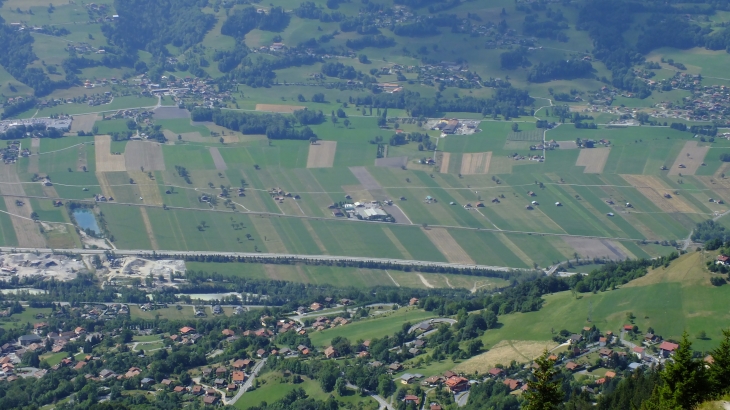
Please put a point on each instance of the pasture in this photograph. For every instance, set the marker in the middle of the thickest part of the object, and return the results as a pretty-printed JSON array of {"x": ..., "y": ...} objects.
[
  {"x": 376, "y": 327},
  {"x": 670, "y": 300}
]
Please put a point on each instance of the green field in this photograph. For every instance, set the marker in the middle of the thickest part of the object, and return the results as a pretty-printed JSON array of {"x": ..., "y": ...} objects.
[
  {"x": 669, "y": 300},
  {"x": 377, "y": 327},
  {"x": 274, "y": 387}
]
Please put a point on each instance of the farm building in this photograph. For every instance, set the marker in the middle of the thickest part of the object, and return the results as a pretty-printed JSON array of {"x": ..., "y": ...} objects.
[{"x": 371, "y": 214}]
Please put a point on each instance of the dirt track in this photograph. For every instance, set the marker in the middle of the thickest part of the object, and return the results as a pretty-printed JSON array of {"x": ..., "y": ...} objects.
[
  {"x": 321, "y": 154},
  {"x": 35, "y": 144},
  {"x": 691, "y": 157},
  {"x": 593, "y": 159}
]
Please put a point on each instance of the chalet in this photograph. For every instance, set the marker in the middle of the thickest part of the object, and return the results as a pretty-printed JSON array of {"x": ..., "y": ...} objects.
[
  {"x": 315, "y": 307},
  {"x": 187, "y": 329},
  {"x": 220, "y": 371},
  {"x": 602, "y": 341},
  {"x": 210, "y": 400},
  {"x": 228, "y": 332},
  {"x": 413, "y": 301},
  {"x": 330, "y": 352},
  {"x": 449, "y": 373},
  {"x": 572, "y": 366},
  {"x": 650, "y": 338},
  {"x": 628, "y": 328},
  {"x": 232, "y": 387},
  {"x": 179, "y": 389},
  {"x": 433, "y": 381},
  {"x": 495, "y": 372},
  {"x": 239, "y": 377},
  {"x": 219, "y": 382},
  {"x": 723, "y": 260},
  {"x": 667, "y": 348},
  {"x": 512, "y": 384},
  {"x": 408, "y": 378},
  {"x": 106, "y": 374},
  {"x": 605, "y": 352},
  {"x": 166, "y": 382},
  {"x": 639, "y": 352},
  {"x": 411, "y": 399},
  {"x": 394, "y": 367},
  {"x": 197, "y": 390},
  {"x": 261, "y": 353},
  {"x": 455, "y": 384},
  {"x": 576, "y": 338},
  {"x": 147, "y": 382},
  {"x": 424, "y": 326}
]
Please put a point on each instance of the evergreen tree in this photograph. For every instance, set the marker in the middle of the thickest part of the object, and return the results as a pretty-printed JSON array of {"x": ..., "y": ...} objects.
[
  {"x": 544, "y": 393},
  {"x": 684, "y": 381},
  {"x": 719, "y": 371}
]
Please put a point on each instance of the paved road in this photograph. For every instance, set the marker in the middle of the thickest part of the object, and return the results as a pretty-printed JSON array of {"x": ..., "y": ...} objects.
[
  {"x": 333, "y": 258},
  {"x": 461, "y": 398},
  {"x": 381, "y": 401},
  {"x": 247, "y": 384}
]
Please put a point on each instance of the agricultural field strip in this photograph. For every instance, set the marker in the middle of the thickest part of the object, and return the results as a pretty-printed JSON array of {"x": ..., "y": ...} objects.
[
  {"x": 339, "y": 220},
  {"x": 333, "y": 258}
]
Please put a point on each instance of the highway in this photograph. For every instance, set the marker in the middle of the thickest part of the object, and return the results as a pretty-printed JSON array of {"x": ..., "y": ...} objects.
[{"x": 296, "y": 257}]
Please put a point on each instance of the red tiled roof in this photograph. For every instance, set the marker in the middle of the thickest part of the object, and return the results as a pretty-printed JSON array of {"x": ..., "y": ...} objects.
[{"x": 668, "y": 346}]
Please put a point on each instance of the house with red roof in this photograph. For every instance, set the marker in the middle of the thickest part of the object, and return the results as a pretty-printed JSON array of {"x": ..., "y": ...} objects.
[{"x": 667, "y": 348}]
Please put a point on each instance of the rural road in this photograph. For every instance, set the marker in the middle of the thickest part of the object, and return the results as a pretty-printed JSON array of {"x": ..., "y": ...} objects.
[
  {"x": 461, "y": 398},
  {"x": 383, "y": 404},
  {"x": 247, "y": 384}
]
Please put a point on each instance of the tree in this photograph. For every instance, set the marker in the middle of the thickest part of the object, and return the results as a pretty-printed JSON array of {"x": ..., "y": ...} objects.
[
  {"x": 341, "y": 387},
  {"x": 684, "y": 381},
  {"x": 347, "y": 123},
  {"x": 515, "y": 127},
  {"x": 719, "y": 371},
  {"x": 545, "y": 392}
]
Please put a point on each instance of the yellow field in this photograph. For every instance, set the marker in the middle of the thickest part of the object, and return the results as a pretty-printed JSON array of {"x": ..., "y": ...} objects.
[
  {"x": 593, "y": 159},
  {"x": 105, "y": 161},
  {"x": 504, "y": 353},
  {"x": 689, "y": 159},
  {"x": 654, "y": 189},
  {"x": 475, "y": 164},
  {"x": 445, "y": 159},
  {"x": 278, "y": 108}
]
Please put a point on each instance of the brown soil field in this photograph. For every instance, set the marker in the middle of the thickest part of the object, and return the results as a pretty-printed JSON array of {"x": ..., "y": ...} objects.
[
  {"x": 593, "y": 159},
  {"x": 143, "y": 155},
  {"x": 278, "y": 108},
  {"x": 33, "y": 160},
  {"x": 445, "y": 159},
  {"x": 105, "y": 161},
  {"x": 321, "y": 154},
  {"x": 654, "y": 189},
  {"x": 595, "y": 248},
  {"x": 26, "y": 230},
  {"x": 567, "y": 144},
  {"x": 220, "y": 163},
  {"x": 475, "y": 164},
  {"x": 392, "y": 162},
  {"x": 691, "y": 157},
  {"x": 504, "y": 353},
  {"x": 147, "y": 187},
  {"x": 448, "y": 246},
  {"x": 83, "y": 123}
]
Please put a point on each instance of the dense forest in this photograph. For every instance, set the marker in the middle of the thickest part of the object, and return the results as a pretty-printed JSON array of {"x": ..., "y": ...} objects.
[
  {"x": 16, "y": 55},
  {"x": 275, "y": 126},
  {"x": 151, "y": 25},
  {"x": 243, "y": 21}
]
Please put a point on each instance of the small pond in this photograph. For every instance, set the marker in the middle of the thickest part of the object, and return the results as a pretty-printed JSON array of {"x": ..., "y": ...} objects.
[{"x": 85, "y": 219}]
